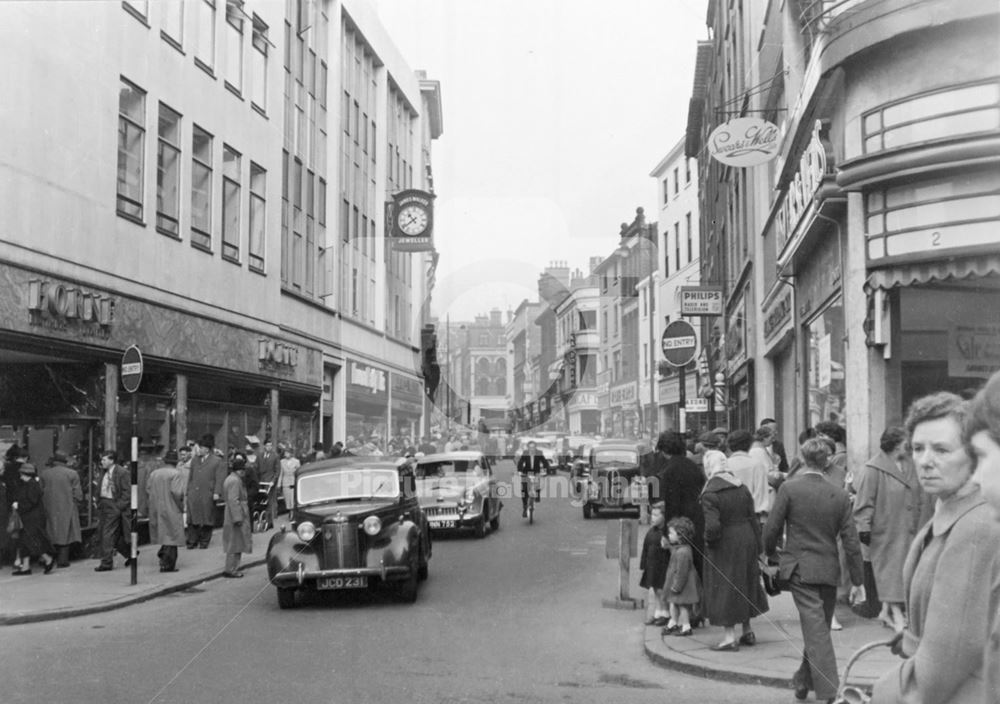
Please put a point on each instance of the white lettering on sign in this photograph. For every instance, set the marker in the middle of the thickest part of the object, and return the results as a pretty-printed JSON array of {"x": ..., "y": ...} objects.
[
  {"x": 701, "y": 301},
  {"x": 801, "y": 189},
  {"x": 744, "y": 141},
  {"x": 625, "y": 394},
  {"x": 272, "y": 353},
  {"x": 676, "y": 343},
  {"x": 696, "y": 405},
  {"x": 132, "y": 368},
  {"x": 368, "y": 377}
]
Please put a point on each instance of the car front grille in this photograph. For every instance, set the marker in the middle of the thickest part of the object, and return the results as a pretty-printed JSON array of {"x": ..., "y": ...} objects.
[
  {"x": 341, "y": 547},
  {"x": 436, "y": 512}
]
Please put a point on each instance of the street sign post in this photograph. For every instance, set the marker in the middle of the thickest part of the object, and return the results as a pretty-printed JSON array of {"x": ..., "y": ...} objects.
[
  {"x": 131, "y": 379},
  {"x": 679, "y": 345}
]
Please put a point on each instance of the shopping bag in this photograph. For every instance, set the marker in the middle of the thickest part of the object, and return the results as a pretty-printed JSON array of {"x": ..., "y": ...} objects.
[{"x": 14, "y": 524}]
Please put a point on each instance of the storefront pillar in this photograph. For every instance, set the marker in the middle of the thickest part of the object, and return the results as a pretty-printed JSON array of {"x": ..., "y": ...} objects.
[
  {"x": 864, "y": 410},
  {"x": 110, "y": 406},
  {"x": 273, "y": 412},
  {"x": 181, "y": 410}
]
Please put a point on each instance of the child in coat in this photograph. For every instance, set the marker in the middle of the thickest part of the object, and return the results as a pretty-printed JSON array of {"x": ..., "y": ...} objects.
[
  {"x": 681, "y": 587},
  {"x": 653, "y": 563}
]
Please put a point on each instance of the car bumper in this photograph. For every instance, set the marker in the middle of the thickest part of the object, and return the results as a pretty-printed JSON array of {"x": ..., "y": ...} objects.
[
  {"x": 303, "y": 577},
  {"x": 454, "y": 520}
]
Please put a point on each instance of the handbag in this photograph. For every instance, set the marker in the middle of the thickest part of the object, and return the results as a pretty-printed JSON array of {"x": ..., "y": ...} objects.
[
  {"x": 773, "y": 584},
  {"x": 14, "y": 524}
]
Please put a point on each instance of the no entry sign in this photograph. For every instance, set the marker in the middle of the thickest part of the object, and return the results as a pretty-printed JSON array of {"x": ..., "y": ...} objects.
[
  {"x": 132, "y": 369},
  {"x": 679, "y": 343}
]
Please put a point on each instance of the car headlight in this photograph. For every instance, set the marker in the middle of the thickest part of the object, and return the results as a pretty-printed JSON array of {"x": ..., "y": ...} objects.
[
  {"x": 470, "y": 495},
  {"x": 372, "y": 525},
  {"x": 306, "y": 531}
]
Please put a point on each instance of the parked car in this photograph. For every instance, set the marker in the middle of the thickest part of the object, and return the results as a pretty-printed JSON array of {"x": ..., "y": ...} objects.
[
  {"x": 457, "y": 490},
  {"x": 545, "y": 445},
  {"x": 357, "y": 524},
  {"x": 613, "y": 478}
]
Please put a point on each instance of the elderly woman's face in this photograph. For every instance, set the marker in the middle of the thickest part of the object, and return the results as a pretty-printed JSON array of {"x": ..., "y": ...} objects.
[
  {"x": 943, "y": 465},
  {"x": 987, "y": 454}
]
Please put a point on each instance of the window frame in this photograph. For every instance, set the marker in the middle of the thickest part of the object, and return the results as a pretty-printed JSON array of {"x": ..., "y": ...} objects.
[
  {"x": 126, "y": 120},
  {"x": 257, "y": 220},
  {"x": 200, "y": 237},
  {"x": 232, "y": 194},
  {"x": 166, "y": 223}
]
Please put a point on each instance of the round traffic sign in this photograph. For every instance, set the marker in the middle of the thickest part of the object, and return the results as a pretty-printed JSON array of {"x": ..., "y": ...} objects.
[
  {"x": 679, "y": 343},
  {"x": 131, "y": 369}
]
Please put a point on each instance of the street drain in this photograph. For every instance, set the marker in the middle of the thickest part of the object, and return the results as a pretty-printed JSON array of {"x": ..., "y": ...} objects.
[{"x": 626, "y": 681}]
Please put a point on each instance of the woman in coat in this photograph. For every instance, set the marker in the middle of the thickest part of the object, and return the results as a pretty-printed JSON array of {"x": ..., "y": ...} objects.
[
  {"x": 61, "y": 495},
  {"x": 32, "y": 541},
  {"x": 237, "y": 535},
  {"x": 889, "y": 509},
  {"x": 681, "y": 482},
  {"x": 733, "y": 592},
  {"x": 951, "y": 575}
]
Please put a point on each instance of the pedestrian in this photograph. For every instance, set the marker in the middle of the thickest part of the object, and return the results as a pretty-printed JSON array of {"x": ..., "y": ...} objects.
[
  {"x": 951, "y": 576},
  {"x": 680, "y": 484},
  {"x": 165, "y": 489},
  {"x": 289, "y": 463},
  {"x": 31, "y": 542},
  {"x": 796, "y": 462},
  {"x": 836, "y": 472},
  {"x": 982, "y": 434},
  {"x": 62, "y": 494},
  {"x": 531, "y": 462},
  {"x": 681, "y": 586},
  {"x": 237, "y": 537},
  {"x": 269, "y": 469},
  {"x": 208, "y": 472},
  {"x": 889, "y": 509},
  {"x": 114, "y": 509},
  {"x": 653, "y": 563},
  {"x": 733, "y": 592},
  {"x": 251, "y": 475},
  {"x": 750, "y": 470},
  {"x": 777, "y": 448},
  {"x": 812, "y": 514},
  {"x": 713, "y": 459}
]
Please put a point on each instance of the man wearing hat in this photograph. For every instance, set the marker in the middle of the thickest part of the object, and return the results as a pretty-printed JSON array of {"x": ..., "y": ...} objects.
[
  {"x": 61, "y": 495},
  {"x": 208, "y": 472},
  {"x": 165, "y": 502}
]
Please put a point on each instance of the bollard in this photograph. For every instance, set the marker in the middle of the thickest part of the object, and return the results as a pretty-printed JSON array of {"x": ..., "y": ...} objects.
[{"x": 622, "y": 544}]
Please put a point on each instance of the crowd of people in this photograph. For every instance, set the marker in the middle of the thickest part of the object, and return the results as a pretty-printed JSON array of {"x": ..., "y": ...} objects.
[{"x": 918, "y": 524}]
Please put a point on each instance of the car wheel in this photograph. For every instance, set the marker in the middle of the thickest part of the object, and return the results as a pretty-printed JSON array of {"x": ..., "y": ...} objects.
[
  {"x": 424, "y": 570},
  {"x": 286, "y": 598},
  {"x": 408, "y": 587},
  {"x": 480, "y": 527},
  {"x": 588, "y": 511},
  {"x": 495, "y": 521}
]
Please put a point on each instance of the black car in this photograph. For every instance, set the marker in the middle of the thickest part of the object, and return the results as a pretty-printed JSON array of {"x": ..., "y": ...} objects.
[{"x": 613, "y": 476}]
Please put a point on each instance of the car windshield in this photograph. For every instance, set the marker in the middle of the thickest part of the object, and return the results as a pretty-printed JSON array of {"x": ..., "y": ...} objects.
[
  {"x": 616, "y": 458},
  {"x": 348, "y": 484},
  {"x": 447, "y": 468}
]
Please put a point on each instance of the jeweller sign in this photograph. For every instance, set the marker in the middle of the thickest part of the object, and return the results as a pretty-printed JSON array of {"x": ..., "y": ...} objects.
[{"x": 744, "y": 141}]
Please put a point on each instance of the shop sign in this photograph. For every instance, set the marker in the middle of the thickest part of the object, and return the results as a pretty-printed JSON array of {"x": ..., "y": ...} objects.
[
  {"x": 58, "y": 306},
  {"x": 696, "y": 405},
  {"x": 276, "y": 356},
  {"x": 625, "y": 394},
  {"x": 369, "y": 378},
  {"x": 801, "y": 189},
  {"x": 405, "y": 387},
  {"x": 583, "y": 400},
  {"x": 736, "y": 336},
  {"x": 744, "y": 141},
  {"x": 701, "y": 300},
  {"x": 973, "y": 350},
  {"x": 777, "y": 315}
]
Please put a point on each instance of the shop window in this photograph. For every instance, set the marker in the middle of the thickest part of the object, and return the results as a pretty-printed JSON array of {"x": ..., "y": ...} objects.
[
  {"x": 258, "y": 213},
  {"x": 168, "y": 158},
  {"x": 825, "y": 335},
  {"x": 201, "y": 188},
  {"x": 131, "y": 148},
  {"x": 258, "y": 64},
  {"x": 231, "y": 160}
]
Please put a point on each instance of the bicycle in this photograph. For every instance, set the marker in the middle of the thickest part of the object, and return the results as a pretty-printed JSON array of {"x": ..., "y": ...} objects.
[{"x": 533, "y": 483}]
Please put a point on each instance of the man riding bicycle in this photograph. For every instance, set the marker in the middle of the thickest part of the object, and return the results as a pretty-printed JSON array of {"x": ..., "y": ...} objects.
[{"x": 531, "y": 462}]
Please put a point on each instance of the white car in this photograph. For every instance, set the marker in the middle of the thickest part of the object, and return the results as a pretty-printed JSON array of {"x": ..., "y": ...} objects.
[{"x": 457, "y": 490}]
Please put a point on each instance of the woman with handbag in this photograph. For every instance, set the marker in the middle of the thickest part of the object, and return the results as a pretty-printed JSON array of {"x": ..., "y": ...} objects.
[{"x": 32, "y": 541}]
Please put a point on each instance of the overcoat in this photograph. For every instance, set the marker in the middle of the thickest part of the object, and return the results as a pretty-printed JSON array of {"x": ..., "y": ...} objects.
[
  {"x": 952, "y": 587},
  {"x": 681, "y": 482},
  {"x": 207, "y": 475},
  {"x": 165, "y": 502},
  {"x": 32, "y": 540},
  {"x": 892, "y": 507},
  {"x": 236, "y": 538},
  {"x": 733, "y": 592},
  {"x": 61, "y": 494},
  {"x": 653, "y": 560},
  {"x": 681, "y": 582}
]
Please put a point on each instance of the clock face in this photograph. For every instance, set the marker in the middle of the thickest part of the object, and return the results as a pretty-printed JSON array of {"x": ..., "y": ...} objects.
[{"x": 412, "y": 220}]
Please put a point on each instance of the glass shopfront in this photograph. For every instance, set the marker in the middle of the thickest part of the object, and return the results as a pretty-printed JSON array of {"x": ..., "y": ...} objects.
[{"x": 825, "y": 356}]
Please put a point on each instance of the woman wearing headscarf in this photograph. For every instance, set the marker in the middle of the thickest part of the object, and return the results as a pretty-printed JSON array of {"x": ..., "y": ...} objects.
[
  {"x": 733, "y": 593},
  {"x": 31, "y": 542},
  {"x": 982, "y": 434},
  {"x": 952, "y": 571}
]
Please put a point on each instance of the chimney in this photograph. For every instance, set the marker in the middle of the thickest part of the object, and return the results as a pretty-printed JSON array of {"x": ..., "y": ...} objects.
[{"x": 495, "y": 320}]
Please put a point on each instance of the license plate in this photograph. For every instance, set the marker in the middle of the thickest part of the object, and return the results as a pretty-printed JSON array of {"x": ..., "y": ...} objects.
[
  {"x": 442, "y": 524},
  {"x": 342, "y": 583}
]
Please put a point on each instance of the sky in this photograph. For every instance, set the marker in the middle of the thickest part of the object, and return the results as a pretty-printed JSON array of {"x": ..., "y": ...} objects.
[{"x": 554, "y": 112}]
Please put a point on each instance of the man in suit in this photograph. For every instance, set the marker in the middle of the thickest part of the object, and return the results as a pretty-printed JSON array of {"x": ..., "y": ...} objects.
[
  {"x": 268, "y": 469},
  {"x": 208, "y": 472},
  {"x": 531, "y": 462},
  {"x": 815, "y": 513},
  {"x": 114, "y": 508}
]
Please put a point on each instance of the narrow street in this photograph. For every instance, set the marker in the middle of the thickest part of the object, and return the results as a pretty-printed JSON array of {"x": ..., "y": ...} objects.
[{"x": 515, "y": 617}]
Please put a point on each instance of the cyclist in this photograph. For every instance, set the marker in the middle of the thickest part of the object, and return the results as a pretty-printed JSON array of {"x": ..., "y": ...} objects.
[{"x": 531, "y": 462}]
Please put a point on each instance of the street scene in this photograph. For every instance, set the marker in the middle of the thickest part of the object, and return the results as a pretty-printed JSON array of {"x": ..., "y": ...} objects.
[{"x": 531, "y": 351}]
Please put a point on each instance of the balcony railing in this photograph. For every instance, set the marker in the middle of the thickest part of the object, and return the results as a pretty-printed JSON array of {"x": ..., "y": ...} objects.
[{"x": 817, "y": 15}]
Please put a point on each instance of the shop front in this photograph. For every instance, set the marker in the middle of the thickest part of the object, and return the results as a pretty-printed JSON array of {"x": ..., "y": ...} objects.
[
  {"x": 367, "y": 399},
  {"x": 407, "y": 407},
  {"x": 778, "y": 329},
  {"x": 624, "y": 400},
  {"x": 584, "y": 413},
  {"x": 739, "y": 366}
]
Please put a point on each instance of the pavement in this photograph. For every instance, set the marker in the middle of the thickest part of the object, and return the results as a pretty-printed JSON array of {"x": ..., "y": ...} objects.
[
  {"x": 78, "y": 590},
  {"x": 778, "y": 650}
]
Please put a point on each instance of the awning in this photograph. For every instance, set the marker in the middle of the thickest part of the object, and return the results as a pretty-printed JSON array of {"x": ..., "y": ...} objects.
[{"x": 917, "y": 274}]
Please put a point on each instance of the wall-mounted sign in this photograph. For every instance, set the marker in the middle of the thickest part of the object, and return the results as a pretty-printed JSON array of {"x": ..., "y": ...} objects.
[
  {"x": 973, "y": 350},
  {"x": 583, "y": 400},
  {"x": 701, "y": 300},
  {"x": 802, "y": 188},
  {"x": 64, "y": 307},
  {"x": 276, "y": 355},
  {"x": 679, "y": 343},
  {"x": 777, "y": 315},
  {"x": 744, "y": 141},
  {"x": 369, "y": 378},
  {"x": 696, "y": 405},
  {"x": 410, "y": 221},
  {"x": 624, "y": 395}
]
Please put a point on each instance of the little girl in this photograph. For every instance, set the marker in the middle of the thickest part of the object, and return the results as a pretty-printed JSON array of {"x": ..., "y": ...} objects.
[
  {"x": 653, "y": 563},
  {"x": 681, "y": 587}
]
